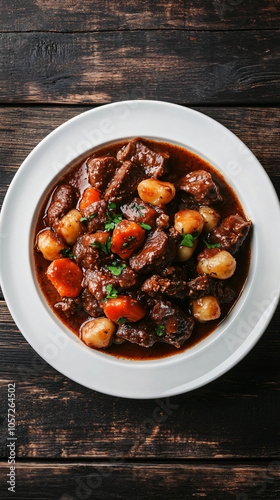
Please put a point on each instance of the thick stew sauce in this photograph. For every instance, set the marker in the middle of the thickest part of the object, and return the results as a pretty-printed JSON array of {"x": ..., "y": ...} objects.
[{"x": 142, "y": 249}]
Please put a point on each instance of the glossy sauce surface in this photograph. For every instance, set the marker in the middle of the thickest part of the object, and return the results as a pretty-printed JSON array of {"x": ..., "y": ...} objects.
[{"x": 181, "y": 162}]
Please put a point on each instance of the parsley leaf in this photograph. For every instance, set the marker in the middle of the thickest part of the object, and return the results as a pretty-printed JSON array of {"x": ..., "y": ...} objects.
[
  {"x": 137, "y": 209},
  {"x": 159, "y": 330},
  {"x": 109, "y": 225},
  {"x": 112, "y": 221},
  {"x": 66, "y": 252},
  {"x": 105, "y": 247},
  {"x": 115, "y": 269},
  {"x": 112, "y": 206},
  {"x": 208, "y": 245},
  {"x": 145, "y": 226},
  {"x": 121, "y": 320},
  {"x": 88, "y": 218},
  {"x": 188, "y": 239},
  {"x": 111, "y": 293}
]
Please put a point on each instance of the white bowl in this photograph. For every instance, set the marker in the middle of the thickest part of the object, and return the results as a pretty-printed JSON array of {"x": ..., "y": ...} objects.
[{"x": 237, "y": 334}]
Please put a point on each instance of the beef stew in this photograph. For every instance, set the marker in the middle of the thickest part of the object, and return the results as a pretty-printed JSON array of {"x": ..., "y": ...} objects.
[{"x": 142, "y": 249}]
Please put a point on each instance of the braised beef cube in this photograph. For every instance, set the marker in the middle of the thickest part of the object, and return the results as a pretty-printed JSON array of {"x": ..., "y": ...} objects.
[
  {"x": 99, "y": 279},
  {"x": 156, "y": 285},
  {"x": 174, "y": 326},
  {"x": 91, "y": 305},
  {"x": 162, "y": 221},
  {"x": 97, "y": 282},
  {"x": 204, "y": 285},
  {"x": 201, "y": 186},
  {"x": 124, "y": 183},
  {"x": 96, "y": 214},
  {"x": 141, "y": 333},
  {"x": 63, "y": 200},
  {"x": 68, "y": 305},
  {"x": 101, "y": 171},
  {"x": 177, "y": 272},
  {"x": 87, "y": 256},
  {"x": 158, "y": 251},
  {"x": 187, "y": 202},
  {"x": 155, "y": 164},
  {"x": 127, "y": 278},
  {"x": 231, "y": 233},
  {"x": 199, "y": 287},
  {"x": 139, "y": 211}
]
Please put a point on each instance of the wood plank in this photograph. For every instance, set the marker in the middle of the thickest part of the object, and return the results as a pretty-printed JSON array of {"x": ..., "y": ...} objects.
[
  {"x": 94, "y": 15},
  {"x": 22, "y": 128},
  {"x": 236, "y": 416},
  {"x": 184, "y": 67},
  {"x": 123, "y": 480}
]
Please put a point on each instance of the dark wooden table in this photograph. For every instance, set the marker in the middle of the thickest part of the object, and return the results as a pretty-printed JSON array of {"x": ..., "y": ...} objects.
[{"x": 60, "y": 59}]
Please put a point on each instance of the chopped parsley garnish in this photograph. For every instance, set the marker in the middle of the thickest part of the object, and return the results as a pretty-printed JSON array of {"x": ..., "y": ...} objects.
[
  {"x": 160, "y": 330},
  {"x": 121, "y": 320},
  {"x": 145, "y": 226},
  {"x": 88, "y": 218},
  {"x": 126, "y": 243},
  {"x": 112, "y": 206},
  {"x": 66, "y": 252},
  {"x": 105, "y": 247},
  {"x": 188, "y": 239},
  {"x": 209, "y": 245},
  {"x": 137, "y": 209},
  {"x": 115, "y": 269},
  {"x": 112, "y": 222},
  {"x": 111, "y": 293}
]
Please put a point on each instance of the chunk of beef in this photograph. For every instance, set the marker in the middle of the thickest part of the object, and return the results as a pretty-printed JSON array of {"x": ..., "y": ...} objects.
[
  {"x": 156, "y": 285},
  {"x": 98, "y": 281},
  {"x": 155, "y": 164},
  {"x": 91, "y": 305},
  {"x": 141, "y": 333},
  {"x": 204, "y": 285},
  {"x": 127, "y": 278},
  {"x": 89, "y": 257},
  {"x": 158, "y": 251},
  {"x": 124, "y": 183},
  {"x": 63, "y": 200},
  {"x": 231, "y": 233},
  {"x": 177, "y": 325},
  {"x": 162, "y": 221},
  {"x": 201, "y": 186},
  {"x": 97, "y": 222},
  {"x": 68, "y": 305},
  {"x": 175, "y": 273},
  {"x": 101, "y": 171},
  {"x": 139, "y": 211}
]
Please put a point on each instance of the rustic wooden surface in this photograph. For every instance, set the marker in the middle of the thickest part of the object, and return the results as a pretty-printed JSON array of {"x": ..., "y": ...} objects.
[{"x": 60, "y": 59}]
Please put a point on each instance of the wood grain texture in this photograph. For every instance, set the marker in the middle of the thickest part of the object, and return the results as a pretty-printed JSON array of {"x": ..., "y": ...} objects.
[
  {"x": 184, "y": 67},
  {"x": 80, "y": 481},
  {"x": 94, "y": 15},
  {"x": 236, "y": 416}
]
